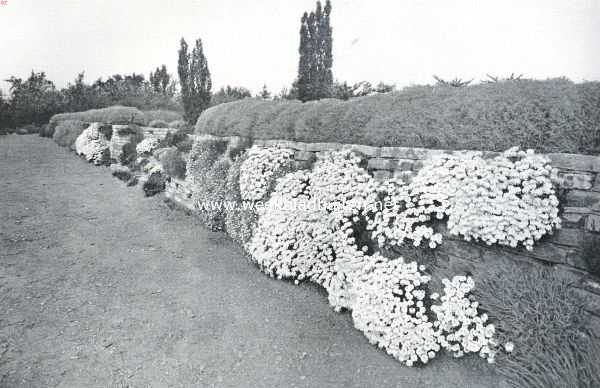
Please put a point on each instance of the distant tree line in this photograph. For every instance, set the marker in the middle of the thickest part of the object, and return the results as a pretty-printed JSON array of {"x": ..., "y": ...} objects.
[{"x": 35, "y": 99}]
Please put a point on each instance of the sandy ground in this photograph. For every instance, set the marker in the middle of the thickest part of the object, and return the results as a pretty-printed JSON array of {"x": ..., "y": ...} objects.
[{"x": 101, "y": 287}]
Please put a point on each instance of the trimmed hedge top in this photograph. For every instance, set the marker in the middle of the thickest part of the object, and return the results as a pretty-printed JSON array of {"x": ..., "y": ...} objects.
[
  {"x": 556, "y": 115},
  {"x": 116, "y": 115},
  {"x": 162, "y": 115}
]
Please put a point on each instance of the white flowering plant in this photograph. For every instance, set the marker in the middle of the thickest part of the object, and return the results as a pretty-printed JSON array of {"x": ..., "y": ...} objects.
[
  {"x": 260, "y": 168},
  {"x": 389, "y": 299},
  {"x": 507, "y": 200},
  {"x": 93, "y": 145},
  {"x": 146, "y": 146},
  {"x": 390, "y": 309},
  {"x": 461, "y": 329}
]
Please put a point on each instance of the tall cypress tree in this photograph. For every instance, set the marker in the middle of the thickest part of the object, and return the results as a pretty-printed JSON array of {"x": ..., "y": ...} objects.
[
  {"x": 195, "y": 80},
  {"x": 183, "y": 69},
  {"x": 200, "y": 80},
  {"x": 315, "y": 78},
  {"x": 303, "y": 81},
  {"x": 327, "y": 54}
]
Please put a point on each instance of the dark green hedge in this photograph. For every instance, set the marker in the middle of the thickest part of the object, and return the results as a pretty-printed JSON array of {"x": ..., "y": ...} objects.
[
  {"x": 555, "y": 115},
  {"x": 116, "y": 115}
]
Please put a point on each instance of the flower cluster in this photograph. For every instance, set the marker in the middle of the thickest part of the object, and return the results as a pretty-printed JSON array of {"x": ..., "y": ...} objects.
[
  {"x": 290, "y": 243},
  {"x": 150, "y": 165},
  {"x": 389, "y": 299},
  {"x": 461, "y": 329},
  {"x": 390, "y": 309},
  {"x": 405, "y": 216},
  {"x": 93, "y": 145},
  {"x": 146, "y": 146},
  {"x": 305, "y": 242},
  {"x": 508, "y": 200},
  {"x": 260, "y": 169}
]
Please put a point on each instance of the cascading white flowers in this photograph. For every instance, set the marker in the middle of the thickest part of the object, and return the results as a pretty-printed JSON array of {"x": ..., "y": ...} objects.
[
  {"x": 93, "y": 145},
  {"x": 146, "y": 146},
  {"x": 404, "y": 216},
  {"x": 260, "y": 168},
  {"x": 314, "y": 224},
  {"x": 390, "y": 309},
  {"x": 460, "y": 327},
  {"x": 507, "y": 200}
]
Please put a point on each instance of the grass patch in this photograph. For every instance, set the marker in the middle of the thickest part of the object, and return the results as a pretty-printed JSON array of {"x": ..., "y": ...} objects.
[{"x": 544, "y": 317}]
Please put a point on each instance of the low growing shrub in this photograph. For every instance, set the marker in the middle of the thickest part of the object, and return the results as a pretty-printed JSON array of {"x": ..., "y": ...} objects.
[
  {"x": 128, "y": 153},
  {"x": 173, "y": 163},
  {"x": 29, "y": 129},
  {"x": 67, "y": 131},
  {"x": 154, "y": 184},
  {"x": 239, "y": 222},
  {"x": 185, "y": 146},
  {"x": 213, "y": 192},
  {"x": 207, "y": 170},
  {"x": 174, "y": 138},
  {"x": 46, "y": 131},
  {"x": 121, "y": 172}
]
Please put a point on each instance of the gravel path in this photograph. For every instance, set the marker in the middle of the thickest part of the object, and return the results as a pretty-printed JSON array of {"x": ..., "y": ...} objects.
[{"x": 101, "y": 287}]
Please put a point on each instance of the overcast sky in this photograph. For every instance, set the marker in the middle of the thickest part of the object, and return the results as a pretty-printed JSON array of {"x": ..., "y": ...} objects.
[{"x": 249, "y": 43}]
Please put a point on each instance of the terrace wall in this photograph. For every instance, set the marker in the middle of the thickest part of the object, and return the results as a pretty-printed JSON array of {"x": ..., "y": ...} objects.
[
  {"x": 118, "y": 141},
  {"x": 579, "y": 194}
]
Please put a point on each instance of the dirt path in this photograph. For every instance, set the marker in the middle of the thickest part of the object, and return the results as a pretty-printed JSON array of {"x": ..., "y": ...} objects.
[{"x": 100, "y": 287}]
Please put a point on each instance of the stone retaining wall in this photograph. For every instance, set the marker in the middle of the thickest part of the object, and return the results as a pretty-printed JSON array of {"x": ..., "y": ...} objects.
[
  {"x": 118, "y": 141},
  {"x": 565, "y": 251}
]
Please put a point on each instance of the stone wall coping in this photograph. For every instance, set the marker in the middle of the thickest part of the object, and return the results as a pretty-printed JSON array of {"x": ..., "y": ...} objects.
[{"x": 562, "y": 161}]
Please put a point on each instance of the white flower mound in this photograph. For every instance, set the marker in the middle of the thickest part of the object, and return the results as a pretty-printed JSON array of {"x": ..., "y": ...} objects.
[
  {"x": 146, "y": 146},
  {"x": 508, "y": 200},
  {"x": 92, "y": 145},
  {"x": 404, "y": 216},
  {"x": 290, "y": 241},
  {"x": 259, "y": 170},
  {"x": 461, "y": 329},
  {"x": 390, "y": 309},
  {"x": 310, "y": 230}
]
